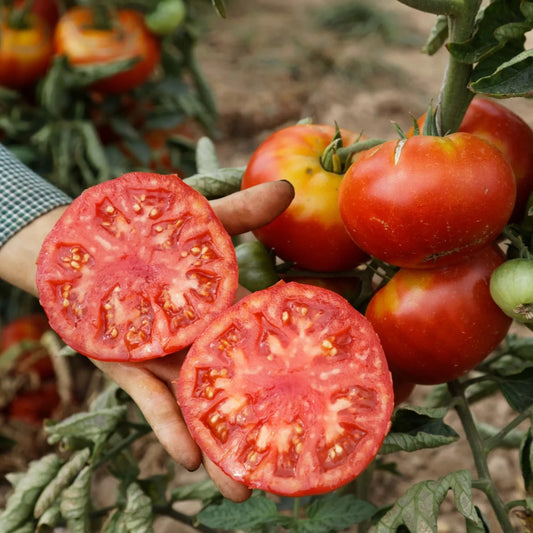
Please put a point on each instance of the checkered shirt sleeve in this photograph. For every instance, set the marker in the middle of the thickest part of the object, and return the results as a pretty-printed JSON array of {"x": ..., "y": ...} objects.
[{"x": 24, "y": 195}]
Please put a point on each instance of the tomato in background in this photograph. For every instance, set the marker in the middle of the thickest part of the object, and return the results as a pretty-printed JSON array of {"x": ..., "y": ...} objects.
[
  {"x": 502, "y": 127},
  {"x": 25, "y": 51},
  {"x": 310, "y": 232},
  {"x": 427, "y": 201},
  {"x": 288, "y": 391},
  {"x": 28, "y": 328},
  {"x": 82, "y": 43},
  {"x": 435, "y": 325},
  {"x": 34, "y": 406},
  {"x": 48, "y": 10},
  {"x": 135, "y": 268}
]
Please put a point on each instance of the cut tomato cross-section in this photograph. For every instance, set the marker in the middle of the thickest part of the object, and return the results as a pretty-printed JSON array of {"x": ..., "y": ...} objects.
[
  {"x": 288, "y": 391},
  {"x": 136, "y": 268}
]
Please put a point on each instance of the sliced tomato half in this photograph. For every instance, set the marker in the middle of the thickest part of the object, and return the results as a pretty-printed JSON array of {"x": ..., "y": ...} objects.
[
  {"x": 136, "y": 268},
  {"x": 289, "y": 391}
]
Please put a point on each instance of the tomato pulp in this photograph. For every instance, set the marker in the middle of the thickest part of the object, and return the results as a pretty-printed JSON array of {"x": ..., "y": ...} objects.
[
  {"x": 310, "y": 232},
  {"x": 288, "y": 391},
  {"x": 135, "y": 268}
]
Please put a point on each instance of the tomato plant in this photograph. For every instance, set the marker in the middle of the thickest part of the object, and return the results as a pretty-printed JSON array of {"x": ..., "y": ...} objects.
[
  {"x": 437, "y": 324},
  {"x": 25, "y": 49},
  {"x": 86, "y": 40},
  {"x": 427, "y": 201},
  {"x": 288, "y": 391},
  {"x": 48, "y": 10},
  {"x": 136, "y": 268},
  {"x": 310, "y": 232}
]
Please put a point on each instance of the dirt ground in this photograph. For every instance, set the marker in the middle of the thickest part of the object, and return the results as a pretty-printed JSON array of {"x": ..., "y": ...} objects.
[{"x": 270, "y": 64}]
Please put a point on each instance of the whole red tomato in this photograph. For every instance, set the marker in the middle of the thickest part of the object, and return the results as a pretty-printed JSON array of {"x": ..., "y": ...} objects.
[
  {"x": 310, "y": 232},
  {"x": 127, "y": 37},
  {"x": 507, "y": 131},
  {"x": 436, "y": 325},
  {"x": 288, "y": 391},
  {"x": 25, "y": 51},
  {"x": 28, "y": 328},
  {"x": 427, "y": 201}
]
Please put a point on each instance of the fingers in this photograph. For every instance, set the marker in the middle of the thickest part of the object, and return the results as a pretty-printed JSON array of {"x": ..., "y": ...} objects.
[
  {"x": 229, "y": 488},
  {"x": 159, "y": 407},
  {"x": 254, "y": 207}
]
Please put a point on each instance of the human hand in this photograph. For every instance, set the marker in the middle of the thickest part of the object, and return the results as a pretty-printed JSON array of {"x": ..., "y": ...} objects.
[{"x": 149, "y": 383}]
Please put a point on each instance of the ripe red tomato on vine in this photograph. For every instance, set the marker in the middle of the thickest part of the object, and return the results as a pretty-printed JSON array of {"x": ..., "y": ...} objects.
[
  {"x": 26, "y": 49},
  {"x": 427, "y": 201},
  {"x": 85, "y": 40},
  {"x": 437, "y": 324},
  {"x": 310, "y": 232}
]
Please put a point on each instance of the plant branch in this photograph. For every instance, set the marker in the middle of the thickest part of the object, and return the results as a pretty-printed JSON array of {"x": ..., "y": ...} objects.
[
  {"x": 479, "y": 454},
  {"x": 437, "y": 7},
  {"x": 496, "y": 439}
]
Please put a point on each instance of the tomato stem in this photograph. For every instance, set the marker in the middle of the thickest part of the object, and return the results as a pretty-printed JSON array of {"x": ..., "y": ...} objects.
[{"x": 479, "y": 454}]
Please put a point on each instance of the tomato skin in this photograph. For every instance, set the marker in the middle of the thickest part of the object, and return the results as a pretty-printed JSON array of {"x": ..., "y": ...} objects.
[
  {"x": 427, "y": 201},
  {"x": 25, "y": 53},
  {"x": 436, "y": 325},
  {"x": 511, "y": 287},
  {"x": 310, "y": 232},
  {"x": 135, "y": 268},
  {"x": 83, "y": 44},
  {"x": 503, "y": 128},
  {"x": 288, "y": 391}
]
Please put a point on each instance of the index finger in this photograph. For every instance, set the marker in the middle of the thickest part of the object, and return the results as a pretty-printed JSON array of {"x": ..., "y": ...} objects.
[{"x": 252, "y": 208}]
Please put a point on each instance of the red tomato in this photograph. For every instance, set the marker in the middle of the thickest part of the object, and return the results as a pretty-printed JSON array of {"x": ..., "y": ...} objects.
[
  {"x": 28, "y": 328},
  {"x": 34, "y": 406},
  {"x": 427, "y": 201},
  {"x": 402, "y": 389},
  {"x": 82, "y": 43},
  {"x": 503, "y": 128},
  {"x": 136, "y": 268},
  {"x": 48, "y": 10},
  {"x": 310, "y": 232},
  {"x": 436, "y": 325},
  {"x": 288, "y": 391},
  {"x": 25, "y": 52}
]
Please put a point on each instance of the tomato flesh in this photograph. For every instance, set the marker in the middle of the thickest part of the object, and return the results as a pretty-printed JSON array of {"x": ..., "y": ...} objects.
[
  {"x": 289, "y": 391},
  {"x": 135, "y": 268}
]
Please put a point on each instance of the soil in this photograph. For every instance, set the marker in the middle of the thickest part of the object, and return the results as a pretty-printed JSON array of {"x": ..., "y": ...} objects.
[{"x": 270, "y": 63}]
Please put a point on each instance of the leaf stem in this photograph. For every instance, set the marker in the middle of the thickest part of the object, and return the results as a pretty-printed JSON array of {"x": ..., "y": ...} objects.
[
  {"x": 479, "y": 453},
  {"x": 437, "y": 7},
  {"x": 493, "y": 442}
]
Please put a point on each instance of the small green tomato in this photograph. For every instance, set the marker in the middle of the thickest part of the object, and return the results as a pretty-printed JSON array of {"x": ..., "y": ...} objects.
[
  {"x": 511, "y": 287},
  {"x": 167, "y": 16}
]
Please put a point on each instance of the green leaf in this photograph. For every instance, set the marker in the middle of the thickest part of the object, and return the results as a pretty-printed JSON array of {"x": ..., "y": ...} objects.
[
  {"x": 438, "y": 36},
  {"x": 49, "y": 519},
  {"x": 86, "y": 427},
  {"x": 526, "y": 460},
  {"x": 75, "y": 502},
  {"x": 473, "y": 527},
  {"x": 220, "y": 7},
  {"x": 334, "y": 512},
  {"x": 518, "y": 389},
  {"x": 20, "y": 504},
  {"x": 138, "y": 511},
  {"x": 418, "y": 508},
  {"x": 217, "y": 184},
  {"x": 492, "y": 32},
  {"x": 202, "y": 490},
  {"x": 414, "y": 428},
  {"x": 64, "y": 477},
  {"x": 206, "y": 156},
  {"x": 254, "y": 512}
]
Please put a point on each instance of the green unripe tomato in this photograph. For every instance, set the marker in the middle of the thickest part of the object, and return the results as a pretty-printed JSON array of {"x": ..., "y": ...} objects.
[
  {"x": 511, "y": 287},
  {"x": 167, "y": 16},
  {"x": 256, "y": 266}
]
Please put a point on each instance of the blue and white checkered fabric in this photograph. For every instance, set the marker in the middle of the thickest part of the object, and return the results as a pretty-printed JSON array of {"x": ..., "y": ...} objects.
[{"x": 24, "y": 195}]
